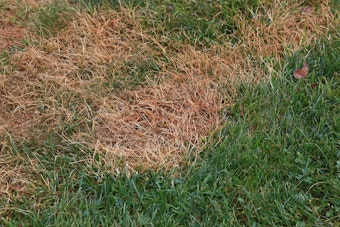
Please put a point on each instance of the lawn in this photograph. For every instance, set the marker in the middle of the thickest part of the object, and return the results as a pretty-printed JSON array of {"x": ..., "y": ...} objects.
[{"x": 169, "y": 113}]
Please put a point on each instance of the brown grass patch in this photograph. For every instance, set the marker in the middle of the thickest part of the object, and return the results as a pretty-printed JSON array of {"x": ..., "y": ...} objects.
[
  {"x": 13, "y": 21},
  {"x": 10, "y": 35},
  {"x": 67, "y": 81},
  {"x": 285, "y": 26},
  {"x": 10, "y": 31},
  {"x": 152, "y": 126}
]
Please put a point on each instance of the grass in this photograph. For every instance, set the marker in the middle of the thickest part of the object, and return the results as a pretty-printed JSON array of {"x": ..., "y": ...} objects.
[
  {"x": 199, "y": 23},
  {"x": 133, "y": 74},
  {"x": 4, "y": 58},
  {"x": 268, "y": 155},
  {"x": 51, "y": 19},
  {"x": 275, "y": 162}
]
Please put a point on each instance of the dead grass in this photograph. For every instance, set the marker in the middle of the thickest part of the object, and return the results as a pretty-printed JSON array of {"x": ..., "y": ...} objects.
[
  {"x": 10, "y": 31},
  {"x": 13, "y": 21},
  {"x": 16, "y": 174},
  {"x": 65, "y": 81},
  {"x": 152, "y": 127},
  {"x": 284, "y": 26}
]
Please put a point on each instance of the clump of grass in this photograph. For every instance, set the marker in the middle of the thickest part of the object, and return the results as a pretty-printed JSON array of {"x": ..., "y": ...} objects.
[
  {"x": 13, "y": 26},
  {"x": 51, "y": 19},
  {"x": 31, "y": 172},
  {"x": 279, "y": 28},
  {"x": 195, "y": 22},
  {"x": 325, "y": 66},
  {"x": 157, "y": 121},
  {"x": 18, "y": 174},
  {"x": 93, "y": 5},
  {"x": 4, "y": 58},
  {"x": 133, "y": 73},
  {"x": 200, "y": 23}
]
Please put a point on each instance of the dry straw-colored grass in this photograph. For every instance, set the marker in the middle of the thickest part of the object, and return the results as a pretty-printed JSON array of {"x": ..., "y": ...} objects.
[
  {"x": 65, "y": 80},
  {"x": 10, "y": 32},
  {"x": 13, "y": 15},
  {"x": 285, "y": 25}
]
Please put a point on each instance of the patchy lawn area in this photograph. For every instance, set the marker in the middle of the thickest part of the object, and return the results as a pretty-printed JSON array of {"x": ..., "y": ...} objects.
[{"x": 169, "y": 113}]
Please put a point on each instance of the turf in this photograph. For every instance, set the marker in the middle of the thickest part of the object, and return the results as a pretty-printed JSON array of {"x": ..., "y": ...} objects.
[
  {"x": 275, "y": 162},
  {"x": 227, "y": 136}
]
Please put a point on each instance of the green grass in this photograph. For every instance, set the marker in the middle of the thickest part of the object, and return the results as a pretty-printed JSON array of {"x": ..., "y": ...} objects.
[
  {"x": 200, "y": 23},
  {"x": 133, "y": 74},
  {"x": 4, "y": 58},
  {"x": 48, "y": 21},
  {"x": 274, "y": 163}
]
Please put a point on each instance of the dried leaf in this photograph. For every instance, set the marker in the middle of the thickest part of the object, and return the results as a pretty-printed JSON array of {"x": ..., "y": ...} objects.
[{"x": 301, "y": 73}]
